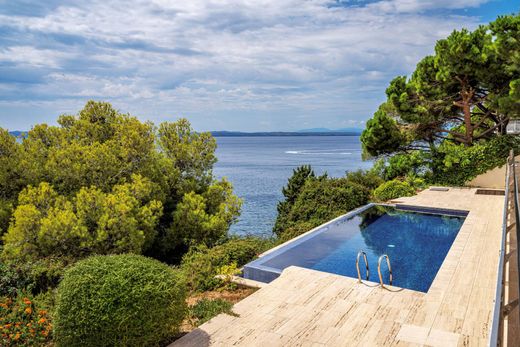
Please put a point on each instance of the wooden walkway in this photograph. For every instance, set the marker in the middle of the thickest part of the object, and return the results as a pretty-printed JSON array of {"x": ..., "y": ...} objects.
[{"x": 311, "y": 308}]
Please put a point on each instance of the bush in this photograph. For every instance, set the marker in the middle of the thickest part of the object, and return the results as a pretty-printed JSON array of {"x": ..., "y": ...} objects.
[
  {"x": 118, "y": 300},
  {"x": 46, "y": 224},
  {"x": 36, "y": 277},
  {"x": 201, "y": 264},
  {"x": 206, "y": 309},
  {"x": 45, "y": 274},
  {"x": 290, "y": 192},
  {"x": 392, "y": 190},
  {"x": 408, "y": 164},
  {"x": 368, "y": 179},
  {"x": 23, "y": 323},
  {"x": 12, "y": 279},
  {"x": 456, "y": 164},
  {"x": 322, "y": 199}
]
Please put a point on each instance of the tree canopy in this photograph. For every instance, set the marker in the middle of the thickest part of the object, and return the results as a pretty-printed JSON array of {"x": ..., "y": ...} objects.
[
  {"x": 466, "y": 92},
  {"x": 103, "y": 182}
]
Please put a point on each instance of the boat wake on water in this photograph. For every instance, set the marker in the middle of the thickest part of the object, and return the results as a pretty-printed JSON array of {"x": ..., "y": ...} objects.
[{"x": 320, "y": 152}]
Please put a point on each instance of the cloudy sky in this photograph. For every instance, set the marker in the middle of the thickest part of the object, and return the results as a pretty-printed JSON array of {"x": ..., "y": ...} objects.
[{"x": 249, "y": 65}]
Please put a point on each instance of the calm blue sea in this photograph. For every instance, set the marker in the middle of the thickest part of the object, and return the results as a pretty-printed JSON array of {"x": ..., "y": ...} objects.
[{"x": 259, "y": 167}]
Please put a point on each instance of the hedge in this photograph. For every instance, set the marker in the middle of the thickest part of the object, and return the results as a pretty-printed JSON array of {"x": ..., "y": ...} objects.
[{"x": 118, "y": 300}]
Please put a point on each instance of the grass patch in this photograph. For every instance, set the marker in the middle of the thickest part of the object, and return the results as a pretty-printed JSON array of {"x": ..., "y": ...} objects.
[{"x": 205, "y": 309}]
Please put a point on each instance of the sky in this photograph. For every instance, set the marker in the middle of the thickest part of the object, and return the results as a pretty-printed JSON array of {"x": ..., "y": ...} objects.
[{"x": 244, "y": 65}]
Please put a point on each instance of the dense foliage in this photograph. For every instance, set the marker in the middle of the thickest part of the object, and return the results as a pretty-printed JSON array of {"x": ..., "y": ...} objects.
[
  {"x": 102, "y": 182},
  {"x": 12, "y": 279},
  {"x": 291, "y": 192},
  {"x": 447, "y": 122},
  {"x": 201, "y": 265},
  {"x": 457, "y": 164},
  {"x": 119, "y": 300},
  {"x": 393, "y": 189},
  {"x": 47, "y": 224},
  {"x": 467, "y": 91},
  {"x": 315, "y": 200}
]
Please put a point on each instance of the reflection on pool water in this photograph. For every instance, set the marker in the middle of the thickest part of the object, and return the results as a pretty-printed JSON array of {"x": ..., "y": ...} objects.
[{"x": 415, "y": 242}]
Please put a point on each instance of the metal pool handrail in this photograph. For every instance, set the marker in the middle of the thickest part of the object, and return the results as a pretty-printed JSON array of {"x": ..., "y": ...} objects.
[
  {"x": 366, "y": 265},
  {"x": 379, "y": 269}
]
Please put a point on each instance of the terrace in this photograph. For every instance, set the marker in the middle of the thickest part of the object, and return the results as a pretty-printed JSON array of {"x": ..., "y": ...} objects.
[{"x": 472, "y": 301}]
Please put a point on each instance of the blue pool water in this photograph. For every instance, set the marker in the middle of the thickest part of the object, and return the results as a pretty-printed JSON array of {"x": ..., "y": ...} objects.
[{"x": 415, "y": 242}]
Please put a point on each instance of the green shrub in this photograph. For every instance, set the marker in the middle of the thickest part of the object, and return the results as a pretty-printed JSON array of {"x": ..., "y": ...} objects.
[
  {"x": 290, "y": 192},
  {"x": 408, "y": 164},
  {"x": 206, "y": 309},
  {"x": 201, "y": 264},
  {"x": 392, "y": 190},
  {"x": 23, "y": 322},
  {"x": 45, "y": 274},
  {"x": 35, "y": 277},
  {"x": 46, "y": 224},
  {"x": 322, "y": 199},
  {"x": 315, "y": 200},
  {"x": 456, "y": 164},
  {"x": 368, "y": 179},
  {"x": 12, "y": 279},
  {"x": 118, "y": 300},
  {"x": 416, "y": 182}
]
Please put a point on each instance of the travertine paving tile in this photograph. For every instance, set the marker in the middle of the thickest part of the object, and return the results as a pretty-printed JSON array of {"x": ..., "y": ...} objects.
[{"x": 310, "y": 308}]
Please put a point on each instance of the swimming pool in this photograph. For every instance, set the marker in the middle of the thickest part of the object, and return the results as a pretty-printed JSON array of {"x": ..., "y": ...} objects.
[{"x": 415, "y": 239}]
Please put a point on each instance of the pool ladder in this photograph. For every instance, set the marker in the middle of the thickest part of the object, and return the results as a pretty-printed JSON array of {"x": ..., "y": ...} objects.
[
  {"x": 362, "y": 253},
  {"x": 380, "y": 260},
  {"x": 389, "y": 269}
]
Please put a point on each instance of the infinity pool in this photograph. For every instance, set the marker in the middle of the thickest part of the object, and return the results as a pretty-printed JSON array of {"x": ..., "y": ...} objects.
[{"x": 415, "y": 239}]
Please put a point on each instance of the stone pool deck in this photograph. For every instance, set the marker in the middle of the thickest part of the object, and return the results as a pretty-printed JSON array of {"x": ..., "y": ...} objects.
[{"x": 310, "y": 308}]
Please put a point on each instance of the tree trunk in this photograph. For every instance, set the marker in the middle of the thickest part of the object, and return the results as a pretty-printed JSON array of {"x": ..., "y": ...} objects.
[
  {"x": 467, "y": 122},
  {"x": 503, "y": 128},
  {"x": 465, "y": 105}
]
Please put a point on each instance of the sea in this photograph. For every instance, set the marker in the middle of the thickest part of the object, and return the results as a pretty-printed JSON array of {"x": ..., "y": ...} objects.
[{"x": 259, "y": 167}]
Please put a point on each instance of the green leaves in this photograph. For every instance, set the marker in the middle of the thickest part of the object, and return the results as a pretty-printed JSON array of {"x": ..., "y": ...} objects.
[
  {"x": 291, "y": 191},
  {"x": 193, "y": 154},
  {"x": 456, "y": 164},
  {"x": 204, "y": 219},
  {"x": 320, "y": 199},
  {"x": 103, "y": 182},
  {"x": 393, "y": 189},
  {"x": 98, "y": 147},
  {"x": 48, "y": 224},
  {"x": 381, "y": 135},
  {"x": 464, "y": 93},
  {"x": 123, "y": 300}
]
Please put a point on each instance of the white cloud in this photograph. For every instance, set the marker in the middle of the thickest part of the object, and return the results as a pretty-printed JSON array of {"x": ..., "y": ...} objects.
[
  {"x": 423, "y": 5},
  {"x": 241, "y": 64}
]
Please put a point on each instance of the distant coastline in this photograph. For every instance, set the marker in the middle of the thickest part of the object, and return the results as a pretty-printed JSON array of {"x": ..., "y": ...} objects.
[
  {"x": 283, "y": 133},
  {"x": 22, "y": 134}
]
